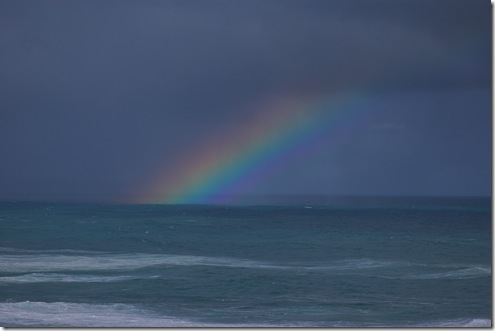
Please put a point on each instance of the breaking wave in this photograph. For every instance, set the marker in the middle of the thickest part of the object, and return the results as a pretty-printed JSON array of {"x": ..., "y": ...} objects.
[
  {"x": 56, "y": 314},
  {"x": 104, "y": 261},
  {"x": 64, "y": 278}
]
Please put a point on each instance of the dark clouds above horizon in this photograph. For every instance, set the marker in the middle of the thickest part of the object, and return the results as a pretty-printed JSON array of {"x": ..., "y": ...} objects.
[{"x": 96, "y": 96}]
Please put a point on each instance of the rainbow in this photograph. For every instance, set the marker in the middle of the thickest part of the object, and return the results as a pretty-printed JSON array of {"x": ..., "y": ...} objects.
[
  {"x": 229, "y": 164},
  {"x": 282, "y": 132}
]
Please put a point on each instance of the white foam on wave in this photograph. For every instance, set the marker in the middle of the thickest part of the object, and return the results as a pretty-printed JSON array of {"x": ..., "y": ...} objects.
[
  {"x": 356, "y": 264},
  {"x": 461, "y": 323},
  {"x": 67, "y": 314},
  {"x": 64, "y": 278},
  {"x": 52, "y": 251},
  {"x": 478, "y": 323},
  {"x": 56, "y": 314},
  {"x": 44, "y": 262},
  {"x": 104, "y": 261},
  {"x": 68, "y": 260},
  {"x": 454, "y": 323},
  {"x": 467, "y": 272}
]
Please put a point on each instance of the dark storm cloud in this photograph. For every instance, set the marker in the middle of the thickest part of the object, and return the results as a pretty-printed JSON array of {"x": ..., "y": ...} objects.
[
  {"x": 169, "y": 44},
  {"x": 95, "y": 94}
]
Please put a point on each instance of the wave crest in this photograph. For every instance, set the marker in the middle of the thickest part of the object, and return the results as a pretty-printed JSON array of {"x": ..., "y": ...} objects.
[{"x": 32, "y": 314}]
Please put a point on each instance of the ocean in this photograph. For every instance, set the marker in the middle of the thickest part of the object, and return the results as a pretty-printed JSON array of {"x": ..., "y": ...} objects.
[{"x": 346, "y": 263}]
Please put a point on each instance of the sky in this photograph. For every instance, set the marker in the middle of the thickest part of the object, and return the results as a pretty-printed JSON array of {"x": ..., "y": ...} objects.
[{"x": 179, "y": 101}]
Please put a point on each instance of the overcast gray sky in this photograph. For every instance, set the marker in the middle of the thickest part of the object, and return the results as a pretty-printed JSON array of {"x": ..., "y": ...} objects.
[{"x": 97, "y": 97}]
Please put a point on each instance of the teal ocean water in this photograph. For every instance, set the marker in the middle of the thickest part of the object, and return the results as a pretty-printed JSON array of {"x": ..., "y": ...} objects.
[{"x": 390, "y": 262}]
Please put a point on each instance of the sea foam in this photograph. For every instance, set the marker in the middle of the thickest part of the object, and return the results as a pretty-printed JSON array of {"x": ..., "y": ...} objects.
[
  {"x": 45, "y": 262},
  {"x": 56, "y": 314},
  {"x": 68, "y": 314},
  {"x": 65, "y": 278},
  {"x": 106, "y": 261},
  {"x": 464, "y": 273},
  {"x": 100, "y": 261},
  {"x": 463, "y": 323}
]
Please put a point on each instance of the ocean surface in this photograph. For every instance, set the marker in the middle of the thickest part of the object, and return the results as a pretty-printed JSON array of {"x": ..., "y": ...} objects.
[{"x": 358, "y": 263}]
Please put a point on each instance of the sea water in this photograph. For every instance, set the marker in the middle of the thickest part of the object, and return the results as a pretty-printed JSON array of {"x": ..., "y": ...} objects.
[{"x": 401, "y": 263}]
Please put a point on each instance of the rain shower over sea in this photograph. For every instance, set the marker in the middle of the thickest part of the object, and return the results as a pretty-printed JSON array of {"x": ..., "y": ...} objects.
[{"x": 308, "y": 262}]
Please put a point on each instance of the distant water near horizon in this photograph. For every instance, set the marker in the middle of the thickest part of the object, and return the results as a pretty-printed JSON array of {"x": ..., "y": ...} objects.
[{"x": 307, "y": 262}]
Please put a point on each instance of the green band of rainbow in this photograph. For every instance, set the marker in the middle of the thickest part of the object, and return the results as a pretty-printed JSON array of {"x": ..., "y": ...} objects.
[{"x": 229, "y": 165}]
